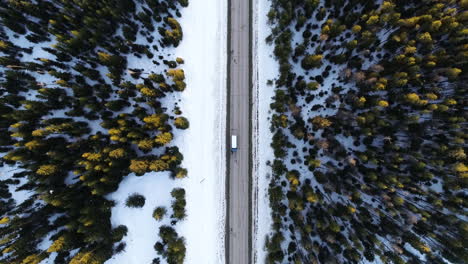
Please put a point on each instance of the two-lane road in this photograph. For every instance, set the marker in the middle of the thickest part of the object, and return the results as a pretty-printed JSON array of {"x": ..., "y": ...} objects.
[{"x": 238, "y": 241}]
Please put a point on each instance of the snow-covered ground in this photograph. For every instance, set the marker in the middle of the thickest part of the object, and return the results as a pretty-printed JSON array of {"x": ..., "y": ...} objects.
[
  {"x": 143, "y": 229},
  {"x": 6, "y": 172},
  {"x": 204, "y": 50},
  {"x": 265, "y": 68},
  {"x": 203, "y": 102}
]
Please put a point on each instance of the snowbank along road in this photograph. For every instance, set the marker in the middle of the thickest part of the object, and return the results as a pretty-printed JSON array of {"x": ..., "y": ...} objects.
[
  {"x": 204, "y": 104},
  {"x": 238, "y": 249},
  {"x": 264, "y": 68}
]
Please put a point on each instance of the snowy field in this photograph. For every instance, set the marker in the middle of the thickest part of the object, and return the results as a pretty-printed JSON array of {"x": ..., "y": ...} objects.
[
  {"x": 6, "y": 172},
  {"x": 203, "y": 104},
  {"x": 142, "y": 227},
  {"x": 265, "y": 68},
  {"x": 204, "y": 49}
]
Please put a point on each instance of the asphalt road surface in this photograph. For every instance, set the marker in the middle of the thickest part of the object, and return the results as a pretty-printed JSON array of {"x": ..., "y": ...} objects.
[{"x": 239, "y": 120}]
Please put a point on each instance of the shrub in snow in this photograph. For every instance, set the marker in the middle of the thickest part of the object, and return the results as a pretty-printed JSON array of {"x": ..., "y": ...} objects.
[
  {"x": 159, "y": 213},
  {"x": 178, "y": 205},
  {"x": 172, "y": 246},
  {"x": 135, "y": 201},
  {"x": 180, "y": 173},
  {"x": 119, "y": 232},
  {"x": 181, "y": 122},
  {"x": 120, "y": 247}
]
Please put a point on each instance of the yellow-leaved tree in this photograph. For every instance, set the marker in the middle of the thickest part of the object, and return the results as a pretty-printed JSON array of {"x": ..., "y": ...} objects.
[
  {"x": 321, "y": 122},
  {"x": 158, "y": 165},
  {"x": 86, "y": 258},
  {"x": 311, "y": 196},
  {"x": 178, "y": 76},
  {"x": 181, "y": 122},
  {"x": 47, "y": 170},
  {"x": 139, "y": 166},
  {"x": 117, "y": 153},
  {"x": 146, "y": 144},
  {"x": 155, "y": 121},
  {"x": 58, "y": 245},
  {"x": 163, "y": 138},
  {"x": 33, "y": 259}
]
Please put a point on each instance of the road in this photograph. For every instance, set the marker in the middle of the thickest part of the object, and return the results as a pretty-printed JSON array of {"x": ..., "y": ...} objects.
[{"x": 238, "y": 243}]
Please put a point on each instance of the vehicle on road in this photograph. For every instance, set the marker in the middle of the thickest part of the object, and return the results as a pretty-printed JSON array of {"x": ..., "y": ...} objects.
[{"x": 233, "y": 143}]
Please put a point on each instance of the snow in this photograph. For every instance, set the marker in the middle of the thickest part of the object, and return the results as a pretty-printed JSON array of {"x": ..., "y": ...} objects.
[
  {"x": 38, "y": 51},
  {"x": 7, "y": 172},
  {"x": 204, "y": 49},
  {"x": 47, "y": 242},
  {"x": 50, "y": 259},
  {"x": 142, "y": 227},
  {"x": 415, "y": 252},
  {"x": 265, "y": 68}
]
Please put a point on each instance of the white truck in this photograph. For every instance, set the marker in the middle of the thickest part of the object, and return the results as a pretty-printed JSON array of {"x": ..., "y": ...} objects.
[{"x": 233, "y": 143}]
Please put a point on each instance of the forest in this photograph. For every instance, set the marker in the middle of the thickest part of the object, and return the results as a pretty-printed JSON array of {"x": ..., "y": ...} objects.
[
  {"x": 369, "y": 131},
  {"x": 77, "y": 116}
]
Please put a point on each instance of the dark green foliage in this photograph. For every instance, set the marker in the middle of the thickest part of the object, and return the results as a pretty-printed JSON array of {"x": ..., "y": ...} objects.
[
  {"x": 73, "y": 121},
  {"x": 135, "y": 201},
  {"x": 119, "y": 232},
  {"x": 172, "y": 247},
  {"x": 386, "y": 164},
  {"x": 159, "y": 213},
  {"x": 178, "y": 205}
]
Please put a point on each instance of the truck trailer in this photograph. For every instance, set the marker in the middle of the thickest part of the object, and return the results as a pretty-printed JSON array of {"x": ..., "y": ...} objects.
[{"x": 233, "y": 143}]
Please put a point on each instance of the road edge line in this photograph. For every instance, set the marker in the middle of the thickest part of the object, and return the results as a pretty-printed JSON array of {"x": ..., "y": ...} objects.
[
  {"x": 250, "y": 125},
  {"x": 228, "y": 130}
]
